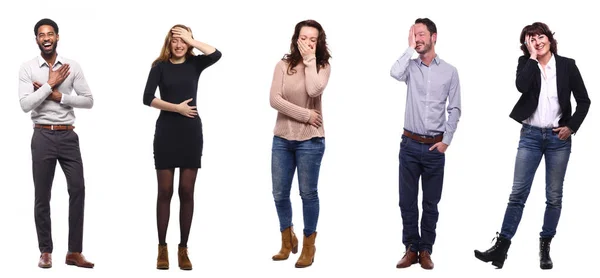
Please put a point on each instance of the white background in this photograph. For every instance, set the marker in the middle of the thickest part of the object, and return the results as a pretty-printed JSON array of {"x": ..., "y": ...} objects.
[{"x": 235, "y": 228}]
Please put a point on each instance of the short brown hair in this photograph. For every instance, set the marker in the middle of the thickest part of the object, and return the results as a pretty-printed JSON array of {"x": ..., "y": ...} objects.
[{"x": 537, "y": 28}]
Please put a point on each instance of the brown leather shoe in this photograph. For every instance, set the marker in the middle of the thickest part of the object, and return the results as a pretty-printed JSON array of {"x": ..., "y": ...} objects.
[
  {"x": 425, "y": 260},
  {"x": 77, "y": 259},
  {"x": 45, "y": 260},
  {"x": 184, "y": 260},
  {"x": 162, "y": 260},
  {"x": 409, "y": 258},
  {"x": 289, "y": 243}
]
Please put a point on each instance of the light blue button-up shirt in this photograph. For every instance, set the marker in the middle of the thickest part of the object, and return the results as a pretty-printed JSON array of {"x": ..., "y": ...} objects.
[{"x": 428, "y": 90}]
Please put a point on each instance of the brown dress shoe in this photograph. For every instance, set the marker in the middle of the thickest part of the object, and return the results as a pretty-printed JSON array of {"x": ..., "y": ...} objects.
[
  {"x": 162, "y": 261},
  {"x": 307, "y": 256},
  {"x": 184, "y": 260},
  {"x": 425, "y": 260},
  {"x": 289, "y": 243},
  {"x": 409, "y": 258},
  {"x": 77, "y": 259},
  {"x": 45, "y": 260}
]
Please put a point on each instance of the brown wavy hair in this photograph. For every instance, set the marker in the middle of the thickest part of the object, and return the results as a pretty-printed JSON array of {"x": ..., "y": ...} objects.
[
  {"x": 537, "y": 28},
  {"x": 322, "y": 52},
  {"x": 165, "y": 52}
]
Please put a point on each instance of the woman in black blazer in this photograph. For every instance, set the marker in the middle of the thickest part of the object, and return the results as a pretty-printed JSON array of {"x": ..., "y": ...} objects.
[{"x": 546, "y": 81}]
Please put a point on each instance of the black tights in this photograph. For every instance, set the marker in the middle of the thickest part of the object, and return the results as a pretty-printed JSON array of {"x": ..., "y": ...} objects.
[{"x": 187, "y": 180}]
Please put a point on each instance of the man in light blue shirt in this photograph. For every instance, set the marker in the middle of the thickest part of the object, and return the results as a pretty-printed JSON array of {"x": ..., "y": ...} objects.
[{"x": 433, "y": 88}]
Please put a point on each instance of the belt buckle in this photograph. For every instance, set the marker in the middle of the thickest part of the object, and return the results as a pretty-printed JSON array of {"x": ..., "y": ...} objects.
[{"x": 51, "y": 127}]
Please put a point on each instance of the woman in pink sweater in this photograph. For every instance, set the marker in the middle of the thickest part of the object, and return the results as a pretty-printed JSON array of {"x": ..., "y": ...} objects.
[{"x": 299, "y": 142}]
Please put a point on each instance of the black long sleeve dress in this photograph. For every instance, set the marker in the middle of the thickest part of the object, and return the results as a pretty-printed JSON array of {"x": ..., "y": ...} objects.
[{"x": 178, "y": 140}]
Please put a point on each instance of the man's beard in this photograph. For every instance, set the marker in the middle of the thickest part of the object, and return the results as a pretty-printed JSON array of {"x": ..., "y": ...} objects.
[
  {"x": 48, "y": 52},
  {"x": 425, "y": 48}
]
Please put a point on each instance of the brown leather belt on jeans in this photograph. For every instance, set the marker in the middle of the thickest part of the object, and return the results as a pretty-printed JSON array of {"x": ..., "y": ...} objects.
[
  {"x": 424, "y": 139},
  {"x": 55, "y": 127}
]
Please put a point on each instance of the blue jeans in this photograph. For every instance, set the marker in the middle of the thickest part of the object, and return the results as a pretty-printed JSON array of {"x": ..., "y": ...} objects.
[
  {"x": 285, "y": 158},
  {"x": 534, "y": 143},
  {"x": 417, "y": 161}
]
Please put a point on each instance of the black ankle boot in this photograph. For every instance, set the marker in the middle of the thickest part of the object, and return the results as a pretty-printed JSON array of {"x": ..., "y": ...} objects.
[
  {"x": 545, "y": 260},
  {"x": 497, "y": 253}
]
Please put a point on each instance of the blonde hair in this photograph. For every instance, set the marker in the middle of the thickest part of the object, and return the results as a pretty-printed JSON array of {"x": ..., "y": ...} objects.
[{"x": 165, "y": 52}]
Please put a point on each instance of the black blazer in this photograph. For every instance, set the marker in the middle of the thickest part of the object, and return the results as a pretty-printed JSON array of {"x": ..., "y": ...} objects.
[{"x": 568, "y": 79}]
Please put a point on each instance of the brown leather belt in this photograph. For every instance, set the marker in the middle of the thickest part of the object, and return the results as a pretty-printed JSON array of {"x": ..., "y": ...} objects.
[
  {"x": 424, "y": 139},
  {"x": 55, "y": 127}
]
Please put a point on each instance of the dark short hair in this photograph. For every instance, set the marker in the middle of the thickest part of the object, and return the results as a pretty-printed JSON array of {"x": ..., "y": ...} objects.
[
  {"x": 537, "y": 28},
  {"x": 45, "y": 21},
  {"x": 427, "y": 22}
]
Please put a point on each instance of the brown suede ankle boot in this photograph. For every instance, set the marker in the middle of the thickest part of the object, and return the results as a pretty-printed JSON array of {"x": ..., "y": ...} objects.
[
  {"x": 162, "y": 262},
  {"x": 184, "y": 260},
  {"x": 307, "y": 257},
  {"x": 289, "y": 243}
]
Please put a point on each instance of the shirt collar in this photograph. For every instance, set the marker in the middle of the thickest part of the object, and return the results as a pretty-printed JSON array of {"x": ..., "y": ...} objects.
[
  {"x": 435, "y": 60},
  {"x": 551, "y": 63},
  {"x": 42, "y": 62}
]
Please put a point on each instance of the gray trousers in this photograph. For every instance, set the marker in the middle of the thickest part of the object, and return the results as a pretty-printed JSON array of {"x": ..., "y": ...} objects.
[{"x": 48, "y": 147}]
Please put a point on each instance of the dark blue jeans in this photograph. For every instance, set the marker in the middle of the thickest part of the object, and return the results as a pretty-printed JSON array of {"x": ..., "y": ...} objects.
[
  {"x": 417, "y": 161},
  {"x": 306, "y": 157},
  {"x": 534, "y": 143}
]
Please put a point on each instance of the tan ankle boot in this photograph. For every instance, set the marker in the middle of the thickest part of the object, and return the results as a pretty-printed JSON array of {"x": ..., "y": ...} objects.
[
  {"x": 307, "y": 257},
  {"x": 289, "y": 243},
  {"x": 162, "y": 262},
  {"x": 184, "y": 260}
]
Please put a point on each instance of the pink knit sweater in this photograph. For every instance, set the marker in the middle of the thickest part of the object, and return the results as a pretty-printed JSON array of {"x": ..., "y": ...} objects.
[{"x": 293, "y": 96}]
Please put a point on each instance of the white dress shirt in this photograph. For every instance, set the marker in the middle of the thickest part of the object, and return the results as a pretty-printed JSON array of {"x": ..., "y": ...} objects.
[{"x": 548, "y": 111}]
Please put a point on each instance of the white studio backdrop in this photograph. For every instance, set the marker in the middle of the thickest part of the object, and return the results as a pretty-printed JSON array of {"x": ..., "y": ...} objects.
[{"x": 235, "y": 228}]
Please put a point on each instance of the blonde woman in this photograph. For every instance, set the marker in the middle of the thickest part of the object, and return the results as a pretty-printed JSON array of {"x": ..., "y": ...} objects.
[{"x": 178, "y": 136}]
